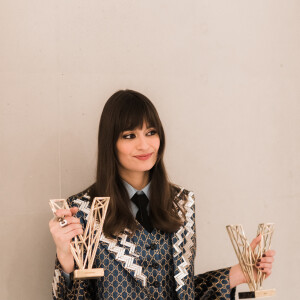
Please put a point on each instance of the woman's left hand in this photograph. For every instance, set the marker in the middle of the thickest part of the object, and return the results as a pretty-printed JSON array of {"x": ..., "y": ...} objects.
[{"x": 265, "y": 263}]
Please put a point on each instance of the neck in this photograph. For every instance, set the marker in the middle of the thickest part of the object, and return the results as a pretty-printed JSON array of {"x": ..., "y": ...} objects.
[{"x": 136, "y": 179}]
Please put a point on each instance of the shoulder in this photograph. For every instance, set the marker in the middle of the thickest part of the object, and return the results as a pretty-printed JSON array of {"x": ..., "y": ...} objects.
[
  {"x": 83, "y": 201},
  {"x": 184, "y": 202},
  {"x": 83, "y": 194},
  {"x": 182, "y": 197},
  {"x": 180, "y": 192},
  {"x": 79, "y": 198}
]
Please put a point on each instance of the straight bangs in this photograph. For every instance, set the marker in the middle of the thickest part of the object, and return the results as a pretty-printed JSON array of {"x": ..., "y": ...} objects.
[{"x": 134, "y": 110}]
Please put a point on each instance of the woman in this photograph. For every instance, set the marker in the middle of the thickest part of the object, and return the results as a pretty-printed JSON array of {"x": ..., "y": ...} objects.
[{"x": 148, "y": 247}]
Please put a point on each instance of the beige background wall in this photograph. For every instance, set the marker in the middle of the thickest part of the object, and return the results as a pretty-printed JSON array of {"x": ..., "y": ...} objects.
[{"x": 224, "y": 76}]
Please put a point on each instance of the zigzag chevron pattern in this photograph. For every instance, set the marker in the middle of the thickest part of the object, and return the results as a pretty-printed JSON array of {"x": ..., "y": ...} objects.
[
  {"x": 189, "y": 226},
  {"x": 179, "y": 241},
  {"x": 83, "y": 206},
  {"x": 57, "y": 274},
  {"x": 182, "y": 273},
  {"x": 128, "y": 260},
  {"x": 187, "y": 253},
  {"x": 180, "y": 201},
  {"x": 181, "y": 229},
  {"x": 131, "y": 246}
]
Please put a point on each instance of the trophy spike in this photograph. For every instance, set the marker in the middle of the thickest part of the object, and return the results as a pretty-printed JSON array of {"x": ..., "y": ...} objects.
[
  {"x": 247, "y": 257},
  {"x": 84, "y": 247}
]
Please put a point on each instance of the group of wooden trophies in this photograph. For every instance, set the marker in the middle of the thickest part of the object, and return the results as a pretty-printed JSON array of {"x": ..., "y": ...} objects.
[{"x": 84, "y": 247}]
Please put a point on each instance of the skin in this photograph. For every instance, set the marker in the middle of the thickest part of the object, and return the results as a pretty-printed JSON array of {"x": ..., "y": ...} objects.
[
  {"x": 131, "y": 145},
  {"x": 62, "y": 236}
]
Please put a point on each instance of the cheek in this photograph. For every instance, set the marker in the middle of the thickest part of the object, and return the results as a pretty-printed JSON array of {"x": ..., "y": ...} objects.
[
  {"x": 157, "y": 144},
  {"x": 121, "y": 150},
  {"x": 122, "y": 158},
  {"x": 124, "y": 152}
]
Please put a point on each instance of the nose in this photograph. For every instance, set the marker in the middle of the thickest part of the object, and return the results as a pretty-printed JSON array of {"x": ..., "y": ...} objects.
[{"x": 142, "y": 143}]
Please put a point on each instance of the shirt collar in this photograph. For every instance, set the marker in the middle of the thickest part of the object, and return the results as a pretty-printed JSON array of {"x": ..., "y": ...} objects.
[{"x": 131, "y": 190}]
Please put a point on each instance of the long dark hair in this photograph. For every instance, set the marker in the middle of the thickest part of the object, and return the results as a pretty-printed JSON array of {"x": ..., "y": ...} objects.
[{"x": 127, "y": 110}]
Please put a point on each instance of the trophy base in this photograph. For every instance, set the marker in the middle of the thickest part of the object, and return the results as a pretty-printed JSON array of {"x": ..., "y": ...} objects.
[
  {"x": 257, "y": 294},
  {"x": 88, "y": 274}
]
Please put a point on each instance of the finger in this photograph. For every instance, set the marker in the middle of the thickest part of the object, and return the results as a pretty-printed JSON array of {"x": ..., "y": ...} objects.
[
  {"x": 268, "y": 259},
  {"x": 74, "y": 233},
  {"x": 72, "y": 220},
  {"x": 255, "y": 242},
  {"x": 63, "y": 213},
  {"x": 69, "y": 228},
  {"x": 54, "y": 224},
  {"x": 269, "y": 253},
  {"x": 264, "y": 265},
  {"x": 74, "y": 210},
  {"x": 267, "y": 271},
  {"x": 62, "y": 233},
  {"x": 56, "y": 228}
]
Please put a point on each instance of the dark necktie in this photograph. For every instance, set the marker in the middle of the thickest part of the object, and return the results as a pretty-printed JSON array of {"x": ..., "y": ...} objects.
[{"x": 142, "y": 216}]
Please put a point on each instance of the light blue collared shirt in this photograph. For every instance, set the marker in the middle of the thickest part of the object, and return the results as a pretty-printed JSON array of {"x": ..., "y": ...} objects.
[{"x": 131, "y": 191}]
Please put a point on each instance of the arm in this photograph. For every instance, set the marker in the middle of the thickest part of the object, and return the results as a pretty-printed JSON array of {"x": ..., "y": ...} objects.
[
  {"x": 63, "y": 287},
  {"x": 214, "y": 285}
]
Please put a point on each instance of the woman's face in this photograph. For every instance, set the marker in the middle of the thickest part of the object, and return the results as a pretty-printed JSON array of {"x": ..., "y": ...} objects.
[{"x": 137, "y": 150}]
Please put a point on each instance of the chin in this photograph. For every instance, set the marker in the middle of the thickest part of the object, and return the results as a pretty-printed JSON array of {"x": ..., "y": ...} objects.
[{"x": 145, "y": 168}]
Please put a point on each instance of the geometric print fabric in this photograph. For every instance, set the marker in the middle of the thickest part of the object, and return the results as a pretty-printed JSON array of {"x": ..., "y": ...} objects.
[
  {"x": 154, "y": 254},
  {"x": 167, "y": 269}
]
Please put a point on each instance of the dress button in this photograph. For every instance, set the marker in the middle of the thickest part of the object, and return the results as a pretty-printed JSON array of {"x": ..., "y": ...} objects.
[
  {"x": 152, "y": 246},
  {"x": 155, "y": 265},
  {"x": 156, "y": 284}
]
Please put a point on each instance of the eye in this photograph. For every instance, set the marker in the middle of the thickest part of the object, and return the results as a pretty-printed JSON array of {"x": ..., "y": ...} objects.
[
  {"x": 152, "y": 132},
  {"x": 128, "y": 136}
]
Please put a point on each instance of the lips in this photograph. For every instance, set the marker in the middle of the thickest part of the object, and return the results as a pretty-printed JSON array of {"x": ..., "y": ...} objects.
[{"x": 143, "y": 157}]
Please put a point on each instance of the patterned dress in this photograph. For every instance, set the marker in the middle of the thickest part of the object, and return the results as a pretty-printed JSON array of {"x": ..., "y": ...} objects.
[{"x": 145, "y": 265}]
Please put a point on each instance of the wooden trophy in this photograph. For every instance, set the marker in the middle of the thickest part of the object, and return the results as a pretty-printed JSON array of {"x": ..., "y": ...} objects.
[
  {"x": 247, "y": 258},
  {"x": 84, "y": 247}
]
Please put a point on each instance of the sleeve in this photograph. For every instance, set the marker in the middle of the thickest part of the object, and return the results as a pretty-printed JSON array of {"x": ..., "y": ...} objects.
[
  {"x": 213, "y": 285},
  {"x": 64, "y": 287}
]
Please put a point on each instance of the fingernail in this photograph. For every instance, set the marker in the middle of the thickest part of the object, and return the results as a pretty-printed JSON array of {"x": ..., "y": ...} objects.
[
  {"x": 258, "y": 264},
  {"x": 264, "y": 255},
  {"x": 259, "y": 260}
]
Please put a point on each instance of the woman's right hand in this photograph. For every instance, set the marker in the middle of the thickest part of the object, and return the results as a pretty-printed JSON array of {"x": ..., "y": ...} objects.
[{"x": 62, "y": 236}]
